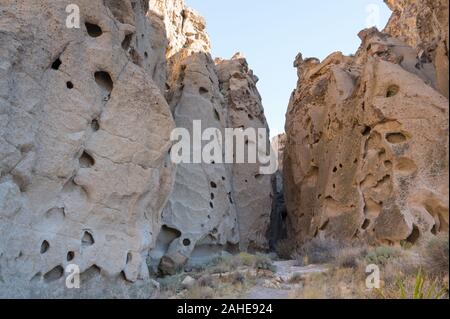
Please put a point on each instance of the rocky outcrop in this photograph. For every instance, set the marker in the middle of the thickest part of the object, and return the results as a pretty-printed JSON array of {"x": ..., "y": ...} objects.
[
  {"x": 251, "y": 191},
  {"x": 86, "y": 179},
  {"x": 424, "y": 26},
  {"x": 84, "y": 137},
  {"x": 214, "y": 206},
  {"x": 366, "y": 155}
]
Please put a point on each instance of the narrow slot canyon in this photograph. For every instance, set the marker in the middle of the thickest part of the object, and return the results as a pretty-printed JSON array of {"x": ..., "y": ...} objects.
[{"x": 88, "y": 179}]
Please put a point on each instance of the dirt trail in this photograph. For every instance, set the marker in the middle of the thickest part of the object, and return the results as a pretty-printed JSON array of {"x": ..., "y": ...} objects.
[{"x": 279, "y": 287}]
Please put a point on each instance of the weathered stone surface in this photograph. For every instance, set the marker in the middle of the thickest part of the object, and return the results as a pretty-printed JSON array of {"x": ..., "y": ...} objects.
[
  {"x": 367, "y": 146},
  {"x": 84, "y": 137},
  {"x": 252, "y": 192},
  {"x": 424, "y": 26},
  {"x": 213, "y": 206}
]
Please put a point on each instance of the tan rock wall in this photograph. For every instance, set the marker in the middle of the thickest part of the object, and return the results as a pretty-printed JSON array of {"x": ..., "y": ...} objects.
[
  {"x": 424, "y": 26},
  {"x": 366, "y": 154}
]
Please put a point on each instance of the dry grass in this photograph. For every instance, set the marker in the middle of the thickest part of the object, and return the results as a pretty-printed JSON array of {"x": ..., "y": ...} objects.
[
  {"x": 335, "y": 284},
  {"x": 318, "y": 251},
  {"x": 224, "y": 277},
  {"x": 417, "y": 286},
  {"x": 418, "y": 272},
  {"x": 435, "y": 255}
]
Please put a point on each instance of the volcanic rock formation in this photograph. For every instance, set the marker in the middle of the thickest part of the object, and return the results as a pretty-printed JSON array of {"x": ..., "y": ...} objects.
[
  {"x": 86, "y": 116},
  {"x": 424, "y": 26},
  {"x": 214, "y": 206},
  {"x": 367, "y": 146}
]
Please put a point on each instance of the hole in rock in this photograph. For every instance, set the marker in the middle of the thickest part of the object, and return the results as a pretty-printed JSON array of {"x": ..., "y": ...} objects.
[
  {"x": 54, "y": 274},
  {"x": 103, "y": 79},
  {"x": 415, "y": 235},
  {"x": 93, "y": 30},
  {"x": 69, "y": 85},
  {"x": 95, "y": 125},
  {"x": 335, "y": 169},
  {"x": 366, "y": 131},
  {"x": 388, "y": 164},
  {"x": 44, "y": 247},
  {"x": 230, "y": 198},
  {"x": 86, "y": 160},
  {"x": 211, "y": 204},
  {"x": 250, "y": 117},
  {"x": 127, "y": 41},
  {"x": 434, "y": 230},
  {"x": 87, "y": 240},
  {"x": 395, "y": 138},
  {"x": 146, "y": 55},
  {"x": 202, "y": 90},
  {"x": 56, "y": 64},
  {"x": 392, "y": 91},
  {"x": 91, "y": 273},
  {"x": 129, "y": 257},
  {"x": 212, "y": 196},
  {"x": 213, "y": 185},
  {"x": 186, "y": 242},
  {"x": 70, "y": 256},
  {"x": 223, "y": 178},
  {"x": 366, "y": 224}
]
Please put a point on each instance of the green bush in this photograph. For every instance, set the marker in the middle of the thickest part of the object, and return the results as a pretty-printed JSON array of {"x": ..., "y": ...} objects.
[
  {"x": 381, "y": 255},
  {"x": 264, "y": 263}
]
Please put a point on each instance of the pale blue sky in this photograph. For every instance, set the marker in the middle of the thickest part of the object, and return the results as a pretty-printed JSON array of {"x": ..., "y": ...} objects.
[{"x": 271, "y": 33}]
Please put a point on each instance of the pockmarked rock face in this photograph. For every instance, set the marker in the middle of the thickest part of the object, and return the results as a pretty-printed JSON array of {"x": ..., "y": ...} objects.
[
  {"x": 252, "y": 192},
  {"x": 424, "y": 26},
  {"x": 366, "y": 155},
  {"x": 84, "y": 138},
  {"x": 214, "y": 207}
]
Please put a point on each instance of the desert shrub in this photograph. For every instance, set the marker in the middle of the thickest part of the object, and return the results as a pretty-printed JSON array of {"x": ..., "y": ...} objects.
[
  {"x": 350, "y": 257},
  {"x": 381, "y": 255},
  {"x": 172, "y": 283},
  {"x": 318, "y": 251},
  {"x": 435, "y": 254},
  {"x": 296, "y": 278},
  {"x": 285, "y": 249},
  {"x": 206, "y": 281},
  {"x": 197, "y": 292},
  {"x": 245, "y": 259},
  {"x": 263, "y": 262},
  {"x": 238, "y": 278}
]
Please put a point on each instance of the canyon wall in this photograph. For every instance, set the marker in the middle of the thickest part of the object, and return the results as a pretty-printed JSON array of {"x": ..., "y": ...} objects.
[
  {"x": 84, "y": 139},
  {"x": 214, "y": 206},
  {"x": 366, "y": 156},
  {"x": 85, "y": 172},
  {"x": 424, "y": 26}
]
